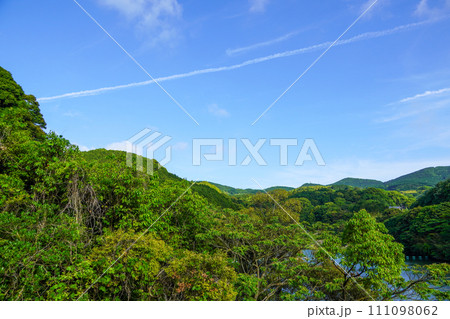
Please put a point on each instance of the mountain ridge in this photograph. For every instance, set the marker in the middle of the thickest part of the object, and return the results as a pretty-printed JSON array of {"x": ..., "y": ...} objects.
[{"x": 419, "y": 180}]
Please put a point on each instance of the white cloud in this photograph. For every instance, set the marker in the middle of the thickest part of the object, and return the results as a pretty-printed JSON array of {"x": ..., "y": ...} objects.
[
  {"x": 424, "y": 9},
  {"x": 377, "y": 8},
  {"x": 421, "y": 8},
  {"x": 417, "y": 105},
  {"x": 156, "y": 17},
  {"x": 260, "y": 44},
  {"x": 425, "y": 94},
  {"x": 258, "y": 6},
  {"x": 407, "y": 112},
  {"x": 215, "y": 110},
  {"x": 357, "y": 38},
  {"x": 130, "y": 8}
]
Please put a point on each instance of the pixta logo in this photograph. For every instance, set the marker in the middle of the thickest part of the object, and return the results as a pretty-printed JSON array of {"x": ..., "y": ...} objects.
[
  {"x": 307, "y": 152},
  {"x": 146, "y": 143}
]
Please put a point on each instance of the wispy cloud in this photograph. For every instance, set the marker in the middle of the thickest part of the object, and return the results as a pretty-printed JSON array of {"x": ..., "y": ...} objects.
[
  {"x": 425, "y": 94},
  {"x": 413, "y": 106},
  {"x": 260, "y": 44},
  {"x": 408, "y": 112},
  {"x": 156, "y": 17},
  {"x": 381, "y": 6},
  {"x": 215, "y": 110},
  {"x": 424, "y": 9},
  {"x": 258, "y": 6},
  {"x": 357, "y": 38}
]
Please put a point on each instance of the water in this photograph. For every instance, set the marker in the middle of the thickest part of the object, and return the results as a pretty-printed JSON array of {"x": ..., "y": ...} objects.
[
  {"x": 408, "y": 274},
  {"x": 411, "y": 263}
]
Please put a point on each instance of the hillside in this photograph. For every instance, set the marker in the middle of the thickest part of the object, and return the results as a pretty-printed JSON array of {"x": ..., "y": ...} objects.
[
  {"x": 310, "y": 184},
  {"x": 215, "y": 196},
  {"x": 437, "y": 195},
  {"x": 102, "y": 155},
  {"x": 234, "y": 191},
  {"x": 360, "y": 182},
  {"x": 211, "y": 193},
  {"x": 418, "y": 181},
  {"x": 286, "y": 188},
  {"x": 414, "y": 183},
  {"x": 239, "y": 191},
  {"x": 425, "y": 177},
  {"x": 424, "y": 230}
]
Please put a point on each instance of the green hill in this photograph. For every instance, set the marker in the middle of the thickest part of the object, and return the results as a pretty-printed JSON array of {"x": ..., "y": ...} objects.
[
  {"x": 437, "y": 195},
  {"x": 416, "y": 181},
  {"x": 239, "y": 191},
  {"x": 102, "y": 155},
  {"x": 310, "y": 184},
  {"x": 286, "y": 188},
  {"x": 215, "y": 196},
  {"x": 425, "y": 177},
  {"x": 235, "y": 191},
  {"x": 424, "y": 230},
  {"x": 360, "y": 182}
]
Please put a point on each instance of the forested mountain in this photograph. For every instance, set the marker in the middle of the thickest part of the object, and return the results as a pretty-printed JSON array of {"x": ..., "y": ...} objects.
[
  {"x": 235, "y": 191},
  {"x": 437, "y": 195},
  {"x": 286, "y": 188},
  {"x": 360, "y": 182},
  {"x": 238, "y": 191},
  {"x": 86, "y": 226},
  {"x": 425, "y": 229},
  {"x": 424, "y": 178},
  {"x": 417, "y": 181}
]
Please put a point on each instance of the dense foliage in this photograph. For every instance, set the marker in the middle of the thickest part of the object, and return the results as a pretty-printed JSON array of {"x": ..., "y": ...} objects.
[
  {"x": 215, "y": 196},
  {"x": 85, "y": 226},
  {"x": 437, "y": 195},
  {"x": 424, "y": 231}
]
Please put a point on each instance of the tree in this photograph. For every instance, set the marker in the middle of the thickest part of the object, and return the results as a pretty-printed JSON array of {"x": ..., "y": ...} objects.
[
  {"x": 196, "y": 276},
  {"x": 113, "y": 270},
  {"x": 424, "y": 231},
  {"x": 371, "y": 262},
  {"x": 13, "y": 99},
  {"x": 268, "y": 256}
]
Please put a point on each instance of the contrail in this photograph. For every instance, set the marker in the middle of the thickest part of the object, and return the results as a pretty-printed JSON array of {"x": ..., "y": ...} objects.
[
  {"x": 357, "y": 38},
  {"x": 425, "y": 94},
  {"x": 261, "y": 44}
]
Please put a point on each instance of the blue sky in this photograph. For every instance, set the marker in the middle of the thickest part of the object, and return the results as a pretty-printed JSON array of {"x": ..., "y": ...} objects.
[{"x": 377, "y": 104}]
